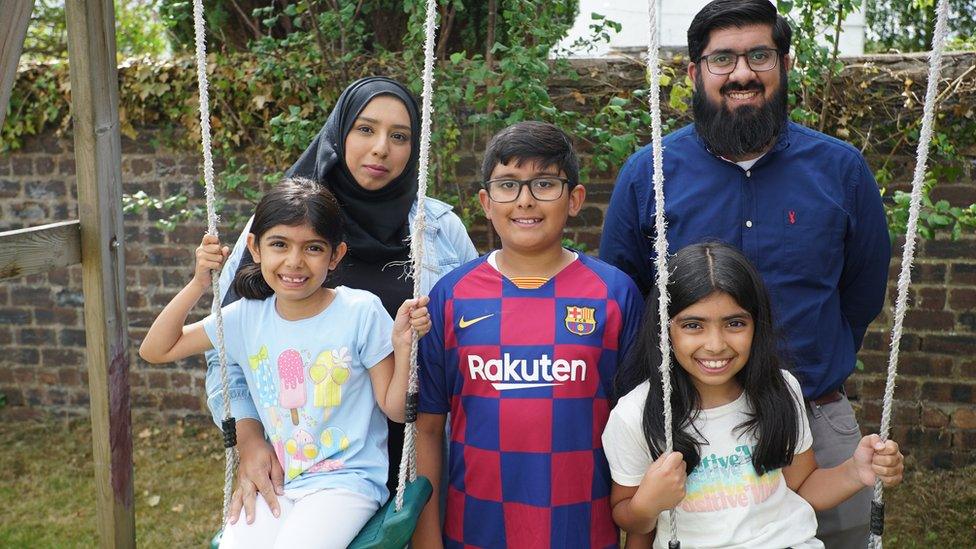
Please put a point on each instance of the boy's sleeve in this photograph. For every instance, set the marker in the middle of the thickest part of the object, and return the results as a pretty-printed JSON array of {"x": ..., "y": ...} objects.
[
  {"x": 375, "y": 336},
  {"x": 434, "y": 393},
  {"x": 622, "y": 243},
  {"x": 625, "y": 446},
  {"x": 632, "y": 311}
]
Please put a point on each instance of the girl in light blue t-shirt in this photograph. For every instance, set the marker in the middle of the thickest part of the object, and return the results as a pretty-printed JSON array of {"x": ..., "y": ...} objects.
[{"x": 324, "y": 365}]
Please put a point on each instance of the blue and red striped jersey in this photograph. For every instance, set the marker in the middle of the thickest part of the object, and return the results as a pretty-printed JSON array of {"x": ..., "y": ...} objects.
[{"x": 526, "y": 375}]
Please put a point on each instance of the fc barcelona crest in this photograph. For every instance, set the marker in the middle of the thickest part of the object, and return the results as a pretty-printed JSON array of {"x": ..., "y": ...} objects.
[{"x": 580, "y": 320}]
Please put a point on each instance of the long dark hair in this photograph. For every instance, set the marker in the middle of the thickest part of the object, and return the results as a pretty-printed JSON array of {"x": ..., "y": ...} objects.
[
  {"x": 696, "y": 272},
  {"x": 293, "y": 201}
]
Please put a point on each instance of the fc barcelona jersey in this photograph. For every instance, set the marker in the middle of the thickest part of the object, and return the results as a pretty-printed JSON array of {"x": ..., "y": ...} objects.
[{"x": 526, "y": 375}]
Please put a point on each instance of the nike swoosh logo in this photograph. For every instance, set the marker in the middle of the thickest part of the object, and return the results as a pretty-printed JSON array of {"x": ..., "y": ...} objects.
[{"x": 465, "y": 323}]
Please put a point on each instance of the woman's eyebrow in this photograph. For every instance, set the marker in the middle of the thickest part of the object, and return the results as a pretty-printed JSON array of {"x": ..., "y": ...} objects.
[{"x": 374, "y": 121}]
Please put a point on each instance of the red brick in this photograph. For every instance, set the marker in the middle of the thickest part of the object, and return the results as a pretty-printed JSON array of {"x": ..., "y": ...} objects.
[
  {"x": 940, "y": 391},
  {"x": 35, "y": 337},
  {"x": 25, "y": 376},
  {"x": 964, "y": 418},
  {"x": 948, "y": 249},
  {"x": 21, "y": 355},
  {"x": 962, "y": 299},
  {"x": 59, "y": 357},
  {"x": 965, "y": 440},
  {"x": 934, "y": 418},
  {"x": 47, "y": 377},
  {"x": 933, "y": 299},
  {"x": 929, "y": 321},
  {"x": 180, "y": 380},
  {"x": 873, "y": 389},
  {"x": 950, "y": 344},
  {"x": 918, "y": 364},
  {"x": 158, "y": 380},
  {"x": 964, "y": 273},
  {"x": 69, "y": 377},
  {"x": 178, "y": 401}
]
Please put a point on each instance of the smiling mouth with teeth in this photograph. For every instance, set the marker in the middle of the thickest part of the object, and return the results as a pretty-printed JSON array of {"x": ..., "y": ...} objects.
[
  {"x": 532, "y": 221},
  {"x": 293, "y": 279},
  {"x": 714, "y": 364}
]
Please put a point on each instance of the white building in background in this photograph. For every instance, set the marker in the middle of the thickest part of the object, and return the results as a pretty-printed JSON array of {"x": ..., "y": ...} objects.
[{"x": 675, "y": 16}]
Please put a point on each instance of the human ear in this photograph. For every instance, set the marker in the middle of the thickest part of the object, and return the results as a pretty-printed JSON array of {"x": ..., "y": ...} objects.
[
  {"x": 252, "y": 247},
  {"x": 693, "y": 73},
  {"x": 485, "y": 203},
  {"x": 788, "y": 62},
  {"x": 576, "y": 198},
  {"x": 337, "y": 254}
]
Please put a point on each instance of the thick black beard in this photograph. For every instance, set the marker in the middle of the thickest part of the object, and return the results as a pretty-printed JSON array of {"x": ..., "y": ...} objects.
[{"x": 746, "y": 130}]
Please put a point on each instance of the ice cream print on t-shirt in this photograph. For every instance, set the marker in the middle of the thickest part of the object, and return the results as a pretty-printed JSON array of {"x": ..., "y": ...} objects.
[
  {"x": 301, "y": 438},
  {"x": 722, "y": 482}
]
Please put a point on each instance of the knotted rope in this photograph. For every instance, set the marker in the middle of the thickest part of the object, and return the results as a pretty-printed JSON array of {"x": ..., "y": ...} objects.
[
  {"x": 408, "y": 462},
  {"x": 908, "y": 253},
  {"x": 230, "y": 432},
  {"x": 660, "y": 239}
]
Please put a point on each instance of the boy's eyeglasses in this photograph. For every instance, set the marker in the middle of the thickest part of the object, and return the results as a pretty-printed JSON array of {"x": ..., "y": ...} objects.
[
  {"x": 543, "y": 189},
  {"x": 725, "y": 62}
]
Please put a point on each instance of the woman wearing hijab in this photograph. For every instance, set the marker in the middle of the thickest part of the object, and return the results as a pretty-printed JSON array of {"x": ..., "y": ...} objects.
[{"x": 366, "y": 154}]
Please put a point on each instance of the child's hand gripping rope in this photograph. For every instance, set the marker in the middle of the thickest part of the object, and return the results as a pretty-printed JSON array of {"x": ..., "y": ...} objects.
[
  {"x": 663, "y": 486},
  {"x": 210, "y": 257},
  {"x": 412, "y": 316},
  {"x": 873, "y": 459}
]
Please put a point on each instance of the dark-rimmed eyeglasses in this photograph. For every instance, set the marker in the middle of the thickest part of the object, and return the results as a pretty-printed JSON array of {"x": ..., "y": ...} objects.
[
  {"x": 724, "y": 62},
  {"x": 543, "y": 189}
]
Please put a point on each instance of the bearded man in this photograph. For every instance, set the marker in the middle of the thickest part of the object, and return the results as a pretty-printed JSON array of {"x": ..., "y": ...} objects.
[{"x": 803, "y": 206}]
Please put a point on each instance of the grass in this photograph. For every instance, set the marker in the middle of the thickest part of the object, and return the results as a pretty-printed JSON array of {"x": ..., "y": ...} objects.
[{"x": 47, "y": 494}]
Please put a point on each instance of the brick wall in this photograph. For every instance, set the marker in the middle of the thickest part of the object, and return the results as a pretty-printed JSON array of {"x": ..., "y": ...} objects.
[{"x": 42, "y": 366}]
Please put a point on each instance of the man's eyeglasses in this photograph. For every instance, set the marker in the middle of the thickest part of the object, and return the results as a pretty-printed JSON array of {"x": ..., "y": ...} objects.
[
  {"x": 724, "y": 62},
  {"x": 543, "y": 189}
]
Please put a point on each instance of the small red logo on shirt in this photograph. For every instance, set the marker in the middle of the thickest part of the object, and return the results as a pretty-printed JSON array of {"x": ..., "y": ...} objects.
[{"x": 792, "y": 215}]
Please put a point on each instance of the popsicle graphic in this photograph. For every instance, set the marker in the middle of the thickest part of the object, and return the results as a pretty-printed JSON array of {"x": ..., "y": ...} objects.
[{"x": 291, "y": 373}]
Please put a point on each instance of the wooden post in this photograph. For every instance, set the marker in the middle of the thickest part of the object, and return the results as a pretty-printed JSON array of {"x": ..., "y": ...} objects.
[
  {"x": 98, "y": 165},
  {"x": 13, "y": 29}
]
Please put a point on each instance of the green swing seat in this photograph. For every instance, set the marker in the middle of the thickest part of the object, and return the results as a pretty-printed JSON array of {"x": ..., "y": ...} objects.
[{"x": 388, "y": 529}]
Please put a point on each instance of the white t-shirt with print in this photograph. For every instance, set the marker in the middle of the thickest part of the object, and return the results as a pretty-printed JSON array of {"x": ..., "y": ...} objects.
[{"x": 726, "y": 503}]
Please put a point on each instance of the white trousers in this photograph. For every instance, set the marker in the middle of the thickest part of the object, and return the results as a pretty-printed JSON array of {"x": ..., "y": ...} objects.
[{"x": 325, "y": 519}]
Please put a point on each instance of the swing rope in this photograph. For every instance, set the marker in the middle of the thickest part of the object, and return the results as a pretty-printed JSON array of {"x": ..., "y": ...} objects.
[
  {"x": 408, "y": 461},
  {"x": 660, "y": 239},
  {"x": 228, "y": 424},
  {"x": 908, "y": 254}
]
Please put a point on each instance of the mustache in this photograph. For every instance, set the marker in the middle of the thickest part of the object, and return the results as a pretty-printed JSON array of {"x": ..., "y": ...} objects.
[{"x": 735, "y": 86}]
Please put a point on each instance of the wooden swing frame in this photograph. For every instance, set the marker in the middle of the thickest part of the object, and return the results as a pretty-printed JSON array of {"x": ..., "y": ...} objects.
[{"x": 96, "y": 240}]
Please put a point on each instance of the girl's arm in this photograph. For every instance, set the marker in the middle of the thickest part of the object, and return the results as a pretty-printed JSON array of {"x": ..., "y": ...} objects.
[
  {"x": 391, "y": 376},
  {"x": 168, "y": 339},
  {"x": 636, "y": 508},
  {"x": 826, "y": 488}
]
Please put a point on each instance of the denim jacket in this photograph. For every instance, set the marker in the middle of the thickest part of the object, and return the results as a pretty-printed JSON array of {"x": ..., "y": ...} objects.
[{"x": 446, "y": 246}]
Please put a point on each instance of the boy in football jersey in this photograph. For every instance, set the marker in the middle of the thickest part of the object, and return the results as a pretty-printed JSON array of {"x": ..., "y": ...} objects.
[{"x": 524, "y": 345}]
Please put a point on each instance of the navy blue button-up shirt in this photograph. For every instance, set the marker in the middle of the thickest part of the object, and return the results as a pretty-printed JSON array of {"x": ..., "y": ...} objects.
[{"x": 808, "y": 215}]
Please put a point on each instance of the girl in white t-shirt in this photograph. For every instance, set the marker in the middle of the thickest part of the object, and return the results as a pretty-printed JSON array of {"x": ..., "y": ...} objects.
[
  {"x": 743, "y": 472},
  {"x": 325, "y": 365}
]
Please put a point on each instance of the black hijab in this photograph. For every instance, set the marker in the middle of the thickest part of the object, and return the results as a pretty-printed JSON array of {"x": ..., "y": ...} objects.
[{"x": 376, "y": 220}]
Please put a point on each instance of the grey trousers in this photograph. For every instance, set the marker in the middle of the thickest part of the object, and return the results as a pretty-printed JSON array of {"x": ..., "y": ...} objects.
[{"x": 835, "y": 436}]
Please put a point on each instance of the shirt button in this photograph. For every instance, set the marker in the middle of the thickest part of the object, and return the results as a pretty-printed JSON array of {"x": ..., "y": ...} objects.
[
  {"x": 748, "y": 173},
  {"x": 749, "y": 224}
]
